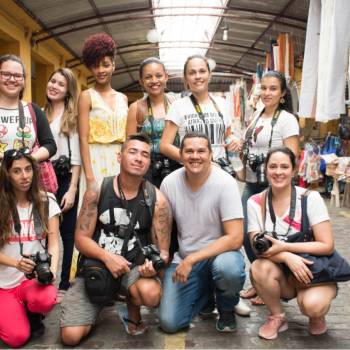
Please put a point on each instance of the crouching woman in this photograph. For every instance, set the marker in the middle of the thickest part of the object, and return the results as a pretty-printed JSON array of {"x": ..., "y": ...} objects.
[
  {"x": 279, "y": 272},
  {"x": 28, "y": 237}
]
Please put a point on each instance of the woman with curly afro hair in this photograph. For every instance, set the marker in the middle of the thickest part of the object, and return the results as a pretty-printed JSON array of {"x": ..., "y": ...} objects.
[{"x": 102, "y": 113}]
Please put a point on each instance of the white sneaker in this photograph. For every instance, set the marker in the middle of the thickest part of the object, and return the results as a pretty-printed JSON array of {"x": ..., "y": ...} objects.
[{"x": 242, "y": 309}]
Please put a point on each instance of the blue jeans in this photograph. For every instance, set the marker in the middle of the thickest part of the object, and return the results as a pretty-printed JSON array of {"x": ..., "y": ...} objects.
[
  {"x": 250, "y": 188},
  {"x": 182, "y": 302}
]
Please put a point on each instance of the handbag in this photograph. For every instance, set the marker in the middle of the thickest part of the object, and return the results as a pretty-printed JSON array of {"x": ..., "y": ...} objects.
[{"x": 47, "y": 175}]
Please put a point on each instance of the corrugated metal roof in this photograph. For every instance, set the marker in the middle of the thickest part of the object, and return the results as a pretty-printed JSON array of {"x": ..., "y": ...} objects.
[{"x": 251, "y": 25}]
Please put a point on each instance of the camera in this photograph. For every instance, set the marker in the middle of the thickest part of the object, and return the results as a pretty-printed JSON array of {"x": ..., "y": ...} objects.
[
  {"x": 42, "y": 268},
  {"x": 161, "y": 167},
  {"x": 226, "y": 166},
  {"x": 62, "y": 166},
  {"x": 257, "y": 164},
  {"x": 260, "y": 243},
  {"x": 151, "y": 253}
]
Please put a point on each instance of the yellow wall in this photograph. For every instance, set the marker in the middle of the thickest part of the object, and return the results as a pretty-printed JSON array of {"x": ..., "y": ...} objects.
[{"x": 16, "y": 29}]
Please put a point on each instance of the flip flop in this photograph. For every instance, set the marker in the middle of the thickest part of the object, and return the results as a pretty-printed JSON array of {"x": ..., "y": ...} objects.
[
  {"x": 248, "y": 293},
  {"x": 140, "y": 327},
  {"x": 257, "y": 301}
]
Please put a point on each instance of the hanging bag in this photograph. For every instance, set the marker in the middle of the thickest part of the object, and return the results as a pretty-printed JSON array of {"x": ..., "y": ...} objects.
[{"x": 47, "y": 174}]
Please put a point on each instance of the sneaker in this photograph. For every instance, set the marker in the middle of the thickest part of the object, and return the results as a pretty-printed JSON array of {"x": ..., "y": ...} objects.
[
  {"x": 317, "y": 326},
  {"x": 208, "y": 310},
  {"x": 274, "y": 324},
  {"x": 242, "y": 309},
  {"x": 226, "y": 322}
]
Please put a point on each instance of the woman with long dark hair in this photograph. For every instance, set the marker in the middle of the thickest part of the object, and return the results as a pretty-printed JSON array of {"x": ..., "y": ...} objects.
[
  {"x": 61, "y": 111},
  {"x": 279, "y": 272},
  {"x": 274, "y": 126},
  {"x": 29, "y": 226},
  {"x": 147, "y": 115}
]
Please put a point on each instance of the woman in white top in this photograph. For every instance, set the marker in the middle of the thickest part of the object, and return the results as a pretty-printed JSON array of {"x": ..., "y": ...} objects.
[
  {"x": 29, "y": 226},
  {"x": 61, "y": 111},
  {"x": 279, "y": 272},
  {"x": 198, "y": 112}
]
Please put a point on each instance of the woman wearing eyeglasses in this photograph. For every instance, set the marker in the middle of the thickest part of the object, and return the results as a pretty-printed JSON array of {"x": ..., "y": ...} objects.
[
  {"x": 61, "y": 111},
  {"x": 14, "y": 132},
  {"x": 28, "y": 219}
]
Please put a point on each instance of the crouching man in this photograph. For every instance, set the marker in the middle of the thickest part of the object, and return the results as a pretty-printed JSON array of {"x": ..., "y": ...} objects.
[
  {"x": 114, "y": 224},
  {"x": 206, "y": 206}
]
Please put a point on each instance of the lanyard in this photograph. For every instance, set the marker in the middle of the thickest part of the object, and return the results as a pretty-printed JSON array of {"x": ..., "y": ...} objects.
[
  {"x": 150, "y": 116},
  {"x": 291, "y": 209},
  {"x": 198, "y": 108},
  {"x": 251, "y": 130}
]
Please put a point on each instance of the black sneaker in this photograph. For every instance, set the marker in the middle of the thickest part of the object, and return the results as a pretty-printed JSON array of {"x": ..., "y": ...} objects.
[
  {"x": 226, "y": 322},
  {"x": 37, "y": 328},
  {"x": 208, "y": 309}
]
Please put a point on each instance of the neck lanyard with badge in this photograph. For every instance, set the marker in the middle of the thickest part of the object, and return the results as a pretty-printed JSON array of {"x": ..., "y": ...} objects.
[{"x": 198, "y": 108}]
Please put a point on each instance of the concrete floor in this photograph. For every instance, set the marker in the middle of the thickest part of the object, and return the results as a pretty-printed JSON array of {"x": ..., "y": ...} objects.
[{"x": 109, "y": 332}]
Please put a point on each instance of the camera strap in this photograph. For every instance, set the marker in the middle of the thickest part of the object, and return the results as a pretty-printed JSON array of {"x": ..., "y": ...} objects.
[
  {"x": 292, "y": 208},
  {"x": 21, "y": 120},
  {"x": 251, "y": 130},
  {"x": 199, "y": 111},
  {"x": 69, "y": 150}
]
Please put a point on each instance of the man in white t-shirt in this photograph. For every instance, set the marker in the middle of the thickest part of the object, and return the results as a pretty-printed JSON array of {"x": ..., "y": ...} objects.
[{"x": 206, "y": 206}]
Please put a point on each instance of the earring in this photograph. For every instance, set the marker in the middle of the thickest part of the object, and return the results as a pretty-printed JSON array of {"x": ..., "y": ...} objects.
[{"x": 282, "y": 100}]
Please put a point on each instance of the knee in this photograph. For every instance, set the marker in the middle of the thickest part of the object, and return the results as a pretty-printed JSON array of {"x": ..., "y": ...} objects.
[
  {"x": 71, "y": 336},
  {"x": 168, "y": 323},
  {"x": 17, "y": 338},
  {"x": 150, "y": 294},
  {"x": 314, "y": 306},
  {"x": 260, "y": 270},
  {"x": 43, "y": 302},
  {"x": 229, "y": 267}
]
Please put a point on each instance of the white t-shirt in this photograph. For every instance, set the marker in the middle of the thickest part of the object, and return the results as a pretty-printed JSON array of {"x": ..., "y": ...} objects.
[
  {"x": 199, "y": 215},
  {"x": 183, "y": 114},
  {"x": 62, "y": 143},
  {"x": 10, "y": 277},
  {"x": 286, "y": 126},
  {"x": 316, "y": 210}
]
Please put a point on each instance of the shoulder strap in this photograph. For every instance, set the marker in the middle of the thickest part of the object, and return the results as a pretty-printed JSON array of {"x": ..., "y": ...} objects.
[
  {"x": 305, "y": 225},
  {"x": 141, "y": 111},
  {"x": 104, "y": 192},
  {"x": 149, "y": 193},
  {"x": 33, "y": 116},
  {"x": 263, "y": 208}
]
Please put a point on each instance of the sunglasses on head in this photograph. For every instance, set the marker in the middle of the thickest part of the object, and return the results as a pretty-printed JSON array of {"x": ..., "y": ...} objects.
[{"x": 16, "y": 153}]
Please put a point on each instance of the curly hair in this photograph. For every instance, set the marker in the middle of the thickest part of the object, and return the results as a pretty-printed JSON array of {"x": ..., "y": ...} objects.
[
  {"x": 97, "y": 46},
  {"x": 69, "y": 117}
]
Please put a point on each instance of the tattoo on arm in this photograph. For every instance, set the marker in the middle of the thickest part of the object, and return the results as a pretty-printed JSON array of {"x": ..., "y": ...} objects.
[
  {"x": 88, "y": 211},
  {"x": 162, "y": 223}
]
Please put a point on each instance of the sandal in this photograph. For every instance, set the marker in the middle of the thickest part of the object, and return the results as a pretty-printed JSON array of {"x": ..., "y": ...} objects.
[
  {"x": 140, "y": 327},
  {"x": 257, "y": 301},
  {"x": 248, "y": 293}
]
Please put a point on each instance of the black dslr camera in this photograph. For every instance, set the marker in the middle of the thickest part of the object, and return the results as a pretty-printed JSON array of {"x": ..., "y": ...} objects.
[
  {"x": 161, "y": 167},
  {"x": 226, "y": 166},
  {"x": 62, "y": 166},
  {"x": 257, "y": 163},
  {"x": 42, "y": 267},
  {"x": 151, "y": 253},
  {"x": 260, "y": 243}
]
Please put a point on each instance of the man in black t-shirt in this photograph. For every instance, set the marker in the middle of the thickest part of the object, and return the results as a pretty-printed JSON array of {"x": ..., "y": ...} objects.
[{"x": 100, "y": 234}]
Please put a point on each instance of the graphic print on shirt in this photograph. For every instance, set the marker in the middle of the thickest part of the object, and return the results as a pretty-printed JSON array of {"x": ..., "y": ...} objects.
[
  {"x": 111, "y": 242},
  {"x": 213, "y": 127},
  {"x": 28, "y": 233}
]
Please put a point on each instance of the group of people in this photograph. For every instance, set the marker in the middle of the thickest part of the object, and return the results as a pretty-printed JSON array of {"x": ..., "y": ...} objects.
[{"x": 133, "y": 174}]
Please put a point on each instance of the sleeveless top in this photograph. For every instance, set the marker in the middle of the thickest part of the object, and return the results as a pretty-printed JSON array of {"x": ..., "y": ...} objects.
[
  {"x": 106, "y": 232},
  {"x": 106, "y": 125}
]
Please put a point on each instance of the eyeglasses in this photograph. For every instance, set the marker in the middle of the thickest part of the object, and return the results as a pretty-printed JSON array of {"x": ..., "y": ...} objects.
[
  {"x": 8, "y": 75},
  {"x": 16, "y": 153}
]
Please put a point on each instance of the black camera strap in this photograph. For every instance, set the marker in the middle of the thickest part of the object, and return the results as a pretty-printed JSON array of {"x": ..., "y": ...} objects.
[
  {"x": 292, "y": 208},
  {"x": 251, "y": 129},
  {"x": 199, "y": 111},
  {"x": 21, "y": 120},
  {"x": 69, "y": 150}
]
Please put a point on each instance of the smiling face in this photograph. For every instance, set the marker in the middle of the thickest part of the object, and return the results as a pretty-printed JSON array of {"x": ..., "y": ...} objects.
[
  {"x": 56, "y": 89},
  {"x": 11, "y": 79},
  {"x": 21, "y": 175},
  {"x": 196, "y": 156},
  {"x": 135, "y": 158},
  {"x": 279, "y": 170},
  {"x": 197, "y": 75},
  {"x": 153, "y": 78},
  {"x": 103, "y": 70},
  {"x": 271, "y": 92}
]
